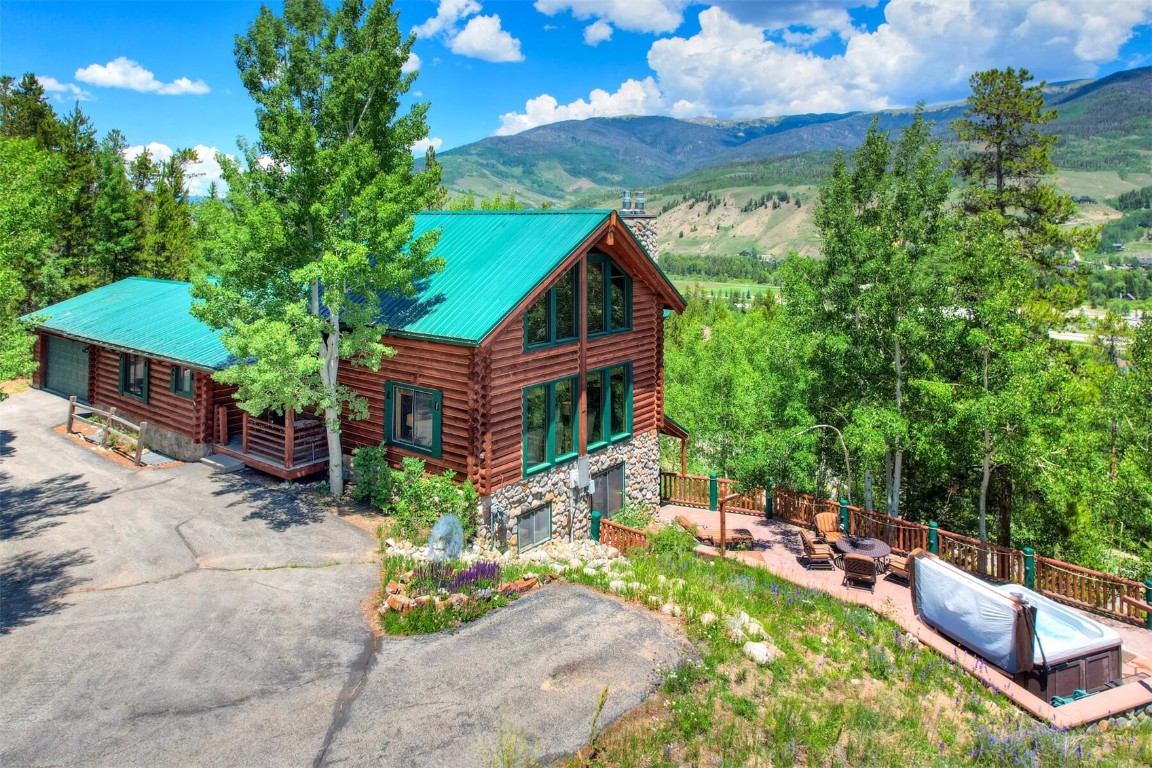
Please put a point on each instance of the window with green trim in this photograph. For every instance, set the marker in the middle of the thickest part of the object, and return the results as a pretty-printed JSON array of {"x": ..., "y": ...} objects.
[
  {"x": 412, "y": 418},
  {"x": 549, "y": 424},
  {"x": 534, "y": 528},
  {"x": 181, "y": 381},
  {"x": 134, "y": 376},
  {"x": 609, "y": 296},
  {"x": 609, "y": 410},
  {"x": 552, "y": 319}
]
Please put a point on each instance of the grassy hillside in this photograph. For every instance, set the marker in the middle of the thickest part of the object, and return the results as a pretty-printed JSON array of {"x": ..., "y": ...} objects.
[{"x": 702, "y": 174}]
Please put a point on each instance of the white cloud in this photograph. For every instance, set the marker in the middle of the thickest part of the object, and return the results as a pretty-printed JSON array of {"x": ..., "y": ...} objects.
[
  {"x": 420, "y": 147},
  {"x": 125, "y": 73},
  {"x": 61, "y": 90},
  {"x": 748, "y": 61},
  {"x": 597, "y": 32},
  {"x": 634, "y": 97},
  {"x": 411, "y": 64},
  {"x": 483, "y": 38},
  {"x": 448, "y": 15},
  {"x": 199, "y": 174},
  {"x": 653, "y": 16}
]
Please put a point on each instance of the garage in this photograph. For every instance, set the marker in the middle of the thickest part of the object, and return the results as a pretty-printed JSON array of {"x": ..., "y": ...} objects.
[{"x": 67, "y": 367}]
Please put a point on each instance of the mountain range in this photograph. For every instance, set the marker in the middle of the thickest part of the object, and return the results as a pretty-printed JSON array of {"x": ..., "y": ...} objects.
[{"x": 1104, "y": 148}]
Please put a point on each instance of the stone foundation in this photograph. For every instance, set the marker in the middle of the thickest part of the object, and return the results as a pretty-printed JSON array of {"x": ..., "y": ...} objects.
[
  {"x": 175, "y": 445},
  {"x": 571, "y": 512}
]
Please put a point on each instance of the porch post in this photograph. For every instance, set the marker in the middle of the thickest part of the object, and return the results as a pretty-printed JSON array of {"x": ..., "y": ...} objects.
[
  {"x": 596, "y": 515},
  {"x": 1148, "y": 599},
  {"x": 289, "y": 438},
  {"x": 933, "y": 538},
  {"x": 769, "y": 501},
  {"x": 845, "y": 520},
  {"x": 713, "y": 492},
  {"x": 1029, "y": 568}
]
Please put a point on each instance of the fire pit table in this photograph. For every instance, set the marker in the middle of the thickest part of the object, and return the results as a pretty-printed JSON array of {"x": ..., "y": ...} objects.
[{"x": 861, "y": 545}]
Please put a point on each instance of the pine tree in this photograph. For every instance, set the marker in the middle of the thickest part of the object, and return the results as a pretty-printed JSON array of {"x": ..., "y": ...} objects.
[{"x": 115, "y": 216}]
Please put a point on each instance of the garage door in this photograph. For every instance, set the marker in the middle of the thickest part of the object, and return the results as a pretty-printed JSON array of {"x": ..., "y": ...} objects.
[{"x": 67, "y": 367}]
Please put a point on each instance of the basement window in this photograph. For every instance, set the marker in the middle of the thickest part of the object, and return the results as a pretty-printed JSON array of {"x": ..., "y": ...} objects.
[{"x": 534, "y": 528}]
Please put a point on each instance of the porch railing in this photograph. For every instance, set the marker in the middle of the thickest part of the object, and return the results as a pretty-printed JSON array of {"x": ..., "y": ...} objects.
[
  {"x": 621, "y": 537},
  {"x": 297, "y": 441}
]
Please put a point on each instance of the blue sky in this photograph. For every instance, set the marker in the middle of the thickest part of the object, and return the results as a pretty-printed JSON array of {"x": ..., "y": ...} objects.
[{"x": 164, "y": 72}]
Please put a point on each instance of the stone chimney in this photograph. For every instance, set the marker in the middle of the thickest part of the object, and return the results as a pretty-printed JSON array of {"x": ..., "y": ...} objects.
[{"x": 642, "y": 223}]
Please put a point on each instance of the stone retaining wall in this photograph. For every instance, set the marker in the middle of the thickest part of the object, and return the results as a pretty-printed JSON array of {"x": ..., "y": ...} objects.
[{"x": 570, "y": 509}]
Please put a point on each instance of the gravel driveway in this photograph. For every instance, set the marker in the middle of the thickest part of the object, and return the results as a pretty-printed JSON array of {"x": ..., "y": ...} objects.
[{"x": 178, "y": 618}]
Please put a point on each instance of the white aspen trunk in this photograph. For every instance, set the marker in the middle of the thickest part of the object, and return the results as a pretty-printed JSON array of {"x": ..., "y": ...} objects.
[
  {"x": 887, "y": 482},
  {"x": 986, "y": 477},
  {"x": 868, "y": 490},
  {"x": 898, "y": 462},
  {"x": 328, "y": 372}
]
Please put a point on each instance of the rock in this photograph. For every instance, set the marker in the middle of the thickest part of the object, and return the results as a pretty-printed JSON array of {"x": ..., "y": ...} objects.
[
  {"x": 559, "y": 567},
  {"x": 1122, "y": 722},
  {"x": 671, "y": 609},
  {"x": 399, "y": 603},
  {"x": 393, "y": 588},
  {"x": 708, "y": 619},
  {"x": 575, "y": 563},
  {"x": 458, "y": 599},
  {"x": 661, "y": 579},
  {"x": 655, "y": 600},
  {"x": 638, "y": 586},
  {"x": 423, "y": 600},
  {"x": 590, "y": 572},
  {"x": 761, "y": 653},
  {"x": 617, "y": 586},
  {"x": 754, "y": 629},
  {"x": 1103, "y": 726}
]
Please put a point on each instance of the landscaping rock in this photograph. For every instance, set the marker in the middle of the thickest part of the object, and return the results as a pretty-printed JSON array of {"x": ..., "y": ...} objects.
[
  {"x": 708, "y": 619},
  {"x": 590, "y": 572},
  {"x": 655, "y": 600},
  {"x": 638, "y": 586},
  {"x": 399, "y": 602},
  {"x": 393, "y": 588},
  {"x": 616, "y": 586},
  {"x": 671, "y": 609},
  {"x": 761, "y": 653},
  {"x": 754, "y": 629}
]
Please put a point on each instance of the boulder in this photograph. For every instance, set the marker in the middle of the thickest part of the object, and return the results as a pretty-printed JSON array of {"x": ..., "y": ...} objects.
[
  {"x": 761, "y": 653},
  {"x": 708, "y": 619}
]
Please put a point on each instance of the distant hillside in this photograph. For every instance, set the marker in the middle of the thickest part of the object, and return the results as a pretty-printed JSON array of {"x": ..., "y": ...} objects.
[{"x": 1105, "y": 148}]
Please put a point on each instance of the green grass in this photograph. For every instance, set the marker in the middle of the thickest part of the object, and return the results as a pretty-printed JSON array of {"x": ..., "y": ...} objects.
[
  {"x": 850, "y": 688},
  {"x": 685, "y": 284}
]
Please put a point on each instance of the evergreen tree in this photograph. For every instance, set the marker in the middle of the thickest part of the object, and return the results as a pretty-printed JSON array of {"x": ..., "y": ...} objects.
[
  {"x": 80, "y": 151},
  {"x": 26, "y": 113},
  {"x": 115, "y": 222}
]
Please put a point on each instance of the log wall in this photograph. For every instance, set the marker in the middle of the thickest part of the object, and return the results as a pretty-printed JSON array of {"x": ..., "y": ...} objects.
[
  {"x": 447, "y": 368},
  {"x": 182, "y": 415},
  {"x": 513, "y": 370}
]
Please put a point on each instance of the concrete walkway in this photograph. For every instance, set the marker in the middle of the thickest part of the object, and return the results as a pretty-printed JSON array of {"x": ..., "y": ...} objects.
[{"x": 778, "y": 549}]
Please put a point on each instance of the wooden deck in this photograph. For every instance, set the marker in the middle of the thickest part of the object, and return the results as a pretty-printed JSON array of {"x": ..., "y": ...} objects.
[{"x": 778, "y": 550}]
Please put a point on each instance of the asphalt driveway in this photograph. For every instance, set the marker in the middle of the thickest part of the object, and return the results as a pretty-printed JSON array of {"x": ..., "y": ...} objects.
[{"x": 175, "y": 617}]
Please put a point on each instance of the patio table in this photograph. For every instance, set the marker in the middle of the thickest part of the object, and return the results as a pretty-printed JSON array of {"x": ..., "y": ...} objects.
[{"x": 861, "y": 545}]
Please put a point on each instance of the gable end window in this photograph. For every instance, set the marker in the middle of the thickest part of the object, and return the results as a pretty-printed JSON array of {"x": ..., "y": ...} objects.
[
  {"x": 181, "y": 381},
  {"x": 552, "y": 319},
  {"x": 534, "y": 528},
  {"x": 134, "y": 376},
  {"x": 609, "y": 296},
  {"x": 550, "y": 424},
  {"x": 609, "y": 405},
  {"x": 412, "y": 418}
]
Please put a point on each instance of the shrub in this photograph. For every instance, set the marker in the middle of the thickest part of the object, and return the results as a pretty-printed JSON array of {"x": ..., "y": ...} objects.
[
  {"x": 671, "y": 540},
  {"x": 635, "y": 514},
  {"x": 414, "y": 499}
]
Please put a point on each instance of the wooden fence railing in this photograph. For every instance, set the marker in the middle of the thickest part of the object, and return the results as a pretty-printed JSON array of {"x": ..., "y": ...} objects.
[
  {"x": 621, "y": 536},
  {"x": 1082, "y": 587},
  {"x": 128, "y": 441},
  {"x": 298, "y": 441}
]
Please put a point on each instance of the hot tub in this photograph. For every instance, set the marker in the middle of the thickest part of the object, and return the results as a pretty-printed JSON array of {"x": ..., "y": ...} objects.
[{"x": 1069, "y": 650}]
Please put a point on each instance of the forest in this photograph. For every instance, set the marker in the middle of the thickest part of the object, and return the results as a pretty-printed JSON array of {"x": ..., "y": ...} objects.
[{"x": 911, "y": 368}]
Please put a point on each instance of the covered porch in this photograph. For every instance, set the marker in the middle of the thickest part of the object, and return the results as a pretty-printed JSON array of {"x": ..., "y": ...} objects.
[{"x": 289, "y": 448}]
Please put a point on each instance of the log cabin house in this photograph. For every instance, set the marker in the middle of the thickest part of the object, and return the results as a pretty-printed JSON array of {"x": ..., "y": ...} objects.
[{"x": 532, "y": 364}]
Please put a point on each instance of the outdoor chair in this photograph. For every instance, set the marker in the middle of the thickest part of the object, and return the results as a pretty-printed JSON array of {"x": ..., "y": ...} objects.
[
  {"x": 816, "y": 554},
  {"x": 860, "y": 569},
  {"x": 899, "y": 564},
  {"x": 828, "y": 527},
  {"x": 711, "y": 536}
]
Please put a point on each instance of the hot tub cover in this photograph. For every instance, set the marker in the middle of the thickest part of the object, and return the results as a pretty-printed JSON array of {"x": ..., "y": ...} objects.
[
  {"x": 988, "y": 622},
  {"x": 1062, "y": 633}
]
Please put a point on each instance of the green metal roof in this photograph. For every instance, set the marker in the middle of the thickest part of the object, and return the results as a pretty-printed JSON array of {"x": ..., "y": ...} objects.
[
  {"x": 151, "y": 316},
  {"x": 493, "y": 260}
]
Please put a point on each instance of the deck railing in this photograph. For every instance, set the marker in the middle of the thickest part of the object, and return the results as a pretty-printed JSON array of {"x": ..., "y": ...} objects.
[
  {"x": 1073, "y": 584},
  {"x": 621, "y": 536},
  {"x": 297, "y": 441}
]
